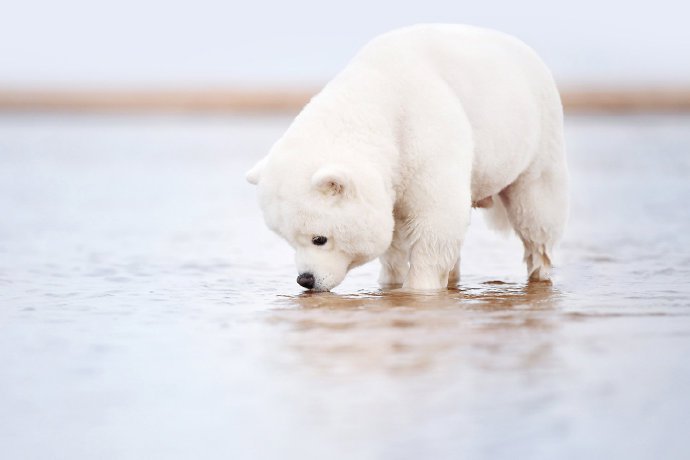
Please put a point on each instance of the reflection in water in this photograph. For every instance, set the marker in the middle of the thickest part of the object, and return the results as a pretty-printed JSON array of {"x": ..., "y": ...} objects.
[
  {"x": 491, "y": 295},
  {"x": 398, "y": 331}
]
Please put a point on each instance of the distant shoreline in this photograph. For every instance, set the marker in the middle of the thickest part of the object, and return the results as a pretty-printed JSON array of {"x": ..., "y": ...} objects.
[{"x": 289, "y": 100}]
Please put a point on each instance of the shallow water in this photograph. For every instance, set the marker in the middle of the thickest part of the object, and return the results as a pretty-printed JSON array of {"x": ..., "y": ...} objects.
[{"x": 146, "y": 312}]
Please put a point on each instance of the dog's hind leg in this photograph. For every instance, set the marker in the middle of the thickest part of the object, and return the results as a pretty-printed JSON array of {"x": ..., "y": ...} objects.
[{"x": 537, "y": 207}]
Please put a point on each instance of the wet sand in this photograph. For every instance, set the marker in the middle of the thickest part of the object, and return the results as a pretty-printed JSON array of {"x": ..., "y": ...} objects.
[
  {"x": 288, "y": 99},
  {"x": 146, "y": 311}
]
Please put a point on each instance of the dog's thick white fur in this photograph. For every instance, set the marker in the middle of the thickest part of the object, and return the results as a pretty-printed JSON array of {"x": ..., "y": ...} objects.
[{"x": 389, "y": 158}]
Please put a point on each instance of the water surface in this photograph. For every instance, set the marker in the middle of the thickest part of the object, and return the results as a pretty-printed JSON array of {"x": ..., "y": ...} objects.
[{"x": 146, "y": 311}]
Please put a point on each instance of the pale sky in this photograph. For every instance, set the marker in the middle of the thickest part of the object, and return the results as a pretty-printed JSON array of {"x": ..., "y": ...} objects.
[{"x": 80, "y": 43}]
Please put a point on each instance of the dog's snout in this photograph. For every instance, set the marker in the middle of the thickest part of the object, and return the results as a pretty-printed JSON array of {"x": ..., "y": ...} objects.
[{"x": 306, "y": 280}]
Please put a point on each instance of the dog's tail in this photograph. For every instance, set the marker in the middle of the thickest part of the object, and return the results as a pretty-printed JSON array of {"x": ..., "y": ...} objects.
[{"x": 496, "y": 216}]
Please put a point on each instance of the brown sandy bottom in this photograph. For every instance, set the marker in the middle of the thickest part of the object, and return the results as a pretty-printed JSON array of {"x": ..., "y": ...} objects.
[{"x": 146, "y": 311}]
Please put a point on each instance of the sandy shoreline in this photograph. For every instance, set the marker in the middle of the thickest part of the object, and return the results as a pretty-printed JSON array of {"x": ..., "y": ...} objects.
[{"x": 292, "y": 99}]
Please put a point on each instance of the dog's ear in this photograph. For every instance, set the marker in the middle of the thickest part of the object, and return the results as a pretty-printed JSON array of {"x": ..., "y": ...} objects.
[
  {"x": 253, "y": 176},
  {"x": 333, "y": 180}
]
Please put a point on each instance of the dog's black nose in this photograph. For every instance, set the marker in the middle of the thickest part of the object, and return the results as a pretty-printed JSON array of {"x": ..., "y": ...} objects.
[{"x": 306, "y": 280}]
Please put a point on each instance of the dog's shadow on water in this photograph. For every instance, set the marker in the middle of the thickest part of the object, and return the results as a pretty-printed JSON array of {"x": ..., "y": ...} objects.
[{"x": 399, "y": 331}]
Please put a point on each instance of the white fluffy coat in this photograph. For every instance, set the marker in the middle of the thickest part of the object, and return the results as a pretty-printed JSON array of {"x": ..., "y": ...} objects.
[{"x": 388, "y": 159}]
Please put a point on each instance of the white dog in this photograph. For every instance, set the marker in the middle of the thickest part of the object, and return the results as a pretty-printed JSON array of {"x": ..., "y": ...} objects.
[{"x": 389, "y": 158}]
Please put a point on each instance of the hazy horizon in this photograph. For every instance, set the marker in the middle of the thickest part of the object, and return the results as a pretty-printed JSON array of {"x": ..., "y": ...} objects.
[{"x": 78, "y": 44}]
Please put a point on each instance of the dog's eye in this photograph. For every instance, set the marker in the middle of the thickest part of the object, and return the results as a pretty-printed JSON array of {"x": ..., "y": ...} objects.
[{"x": 319, "y": 240}]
